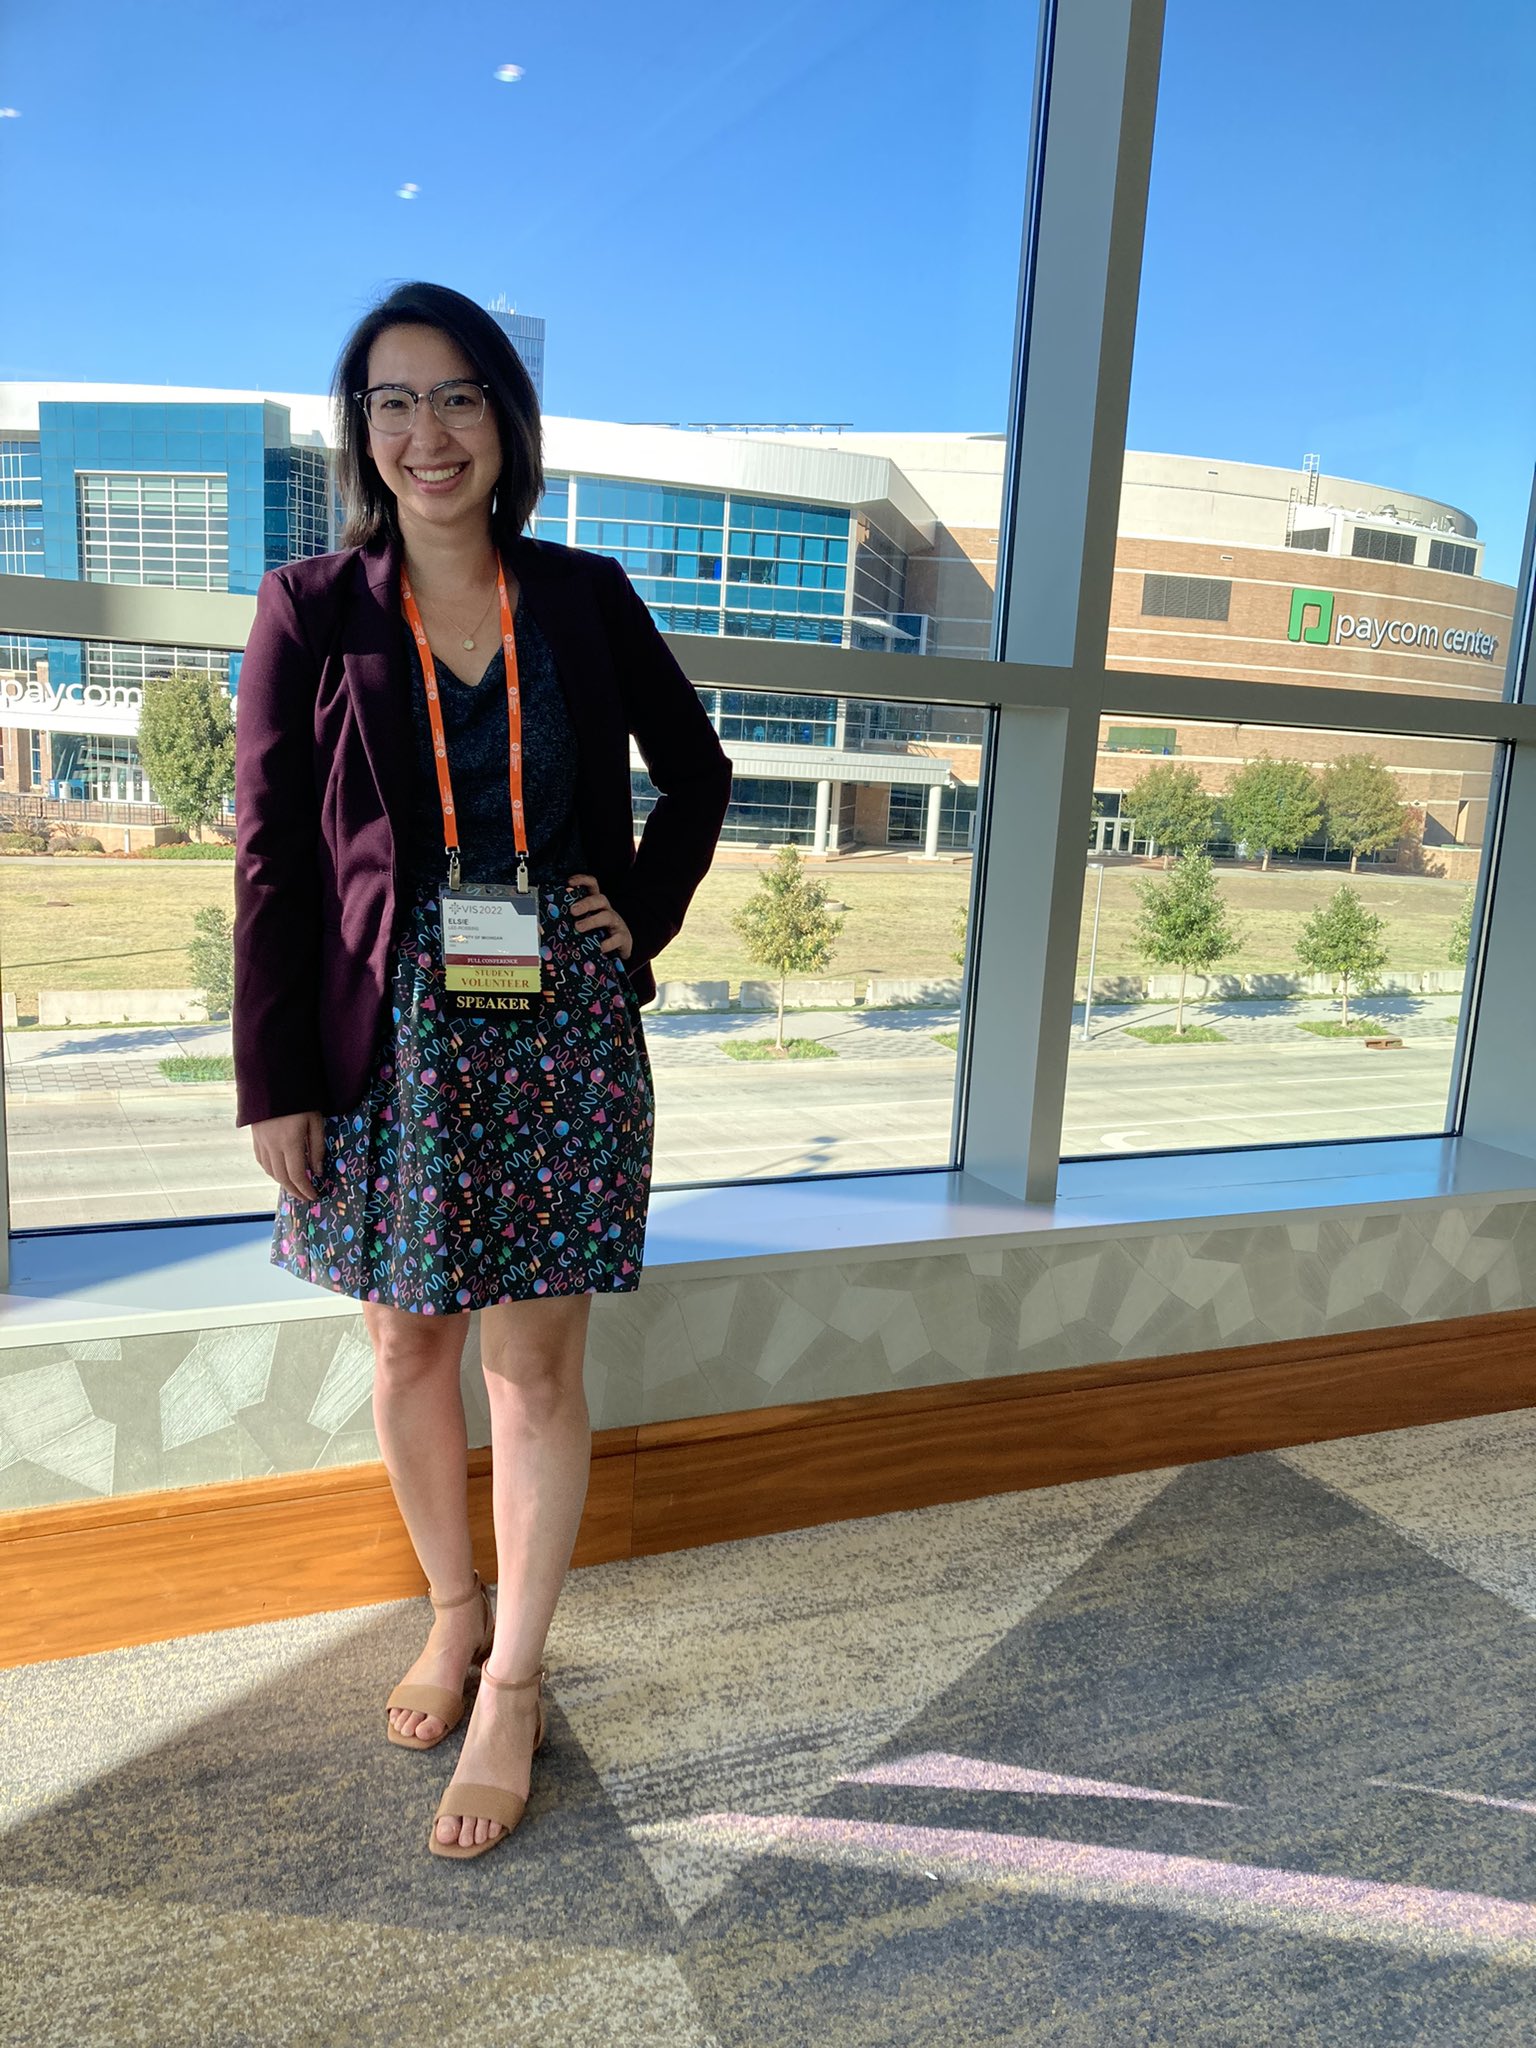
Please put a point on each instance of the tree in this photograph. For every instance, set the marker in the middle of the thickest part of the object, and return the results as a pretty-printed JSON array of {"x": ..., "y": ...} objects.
[
  {"x": 212, "y": 958},
  {"x": 1362, "y": 805},
  {"x": 1184, "y": 923},
  {"x": 1343, "y": 938},
  {"x": 187, "y": 744},
  {"x": 784, "y": 924},
  {"x": 1170, "y": 807},
  {"x": 1273, "y": 806},
  {"x": 1461, "y": 934}
]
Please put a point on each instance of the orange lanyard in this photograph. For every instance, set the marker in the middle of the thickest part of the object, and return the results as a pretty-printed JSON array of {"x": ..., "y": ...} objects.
[{"x": 440, "y": 740}]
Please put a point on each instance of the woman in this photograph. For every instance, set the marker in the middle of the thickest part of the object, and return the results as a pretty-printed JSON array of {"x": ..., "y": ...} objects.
[{"x": 442, "y": 940}]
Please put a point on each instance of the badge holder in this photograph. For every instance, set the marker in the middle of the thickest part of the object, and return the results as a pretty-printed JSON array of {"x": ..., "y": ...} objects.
[{"x": 489, "y": 935}]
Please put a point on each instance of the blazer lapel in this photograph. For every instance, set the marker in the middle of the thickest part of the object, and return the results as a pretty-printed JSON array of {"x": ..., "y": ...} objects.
[{"x": 378, "y": 674}]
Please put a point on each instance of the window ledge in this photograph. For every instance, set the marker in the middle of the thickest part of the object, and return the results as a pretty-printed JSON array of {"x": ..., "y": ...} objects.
[{"x": 178, "y": 1276}]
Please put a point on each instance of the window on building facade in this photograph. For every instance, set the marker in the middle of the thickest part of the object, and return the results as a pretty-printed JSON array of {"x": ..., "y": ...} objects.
[
  {"x": 167, "y": 530},
  {"x": 1372, "y": 544},
  {"x": 1185, "y": 597},
  {"x": 668, "y": 541},
  {"x": 299, "y": 514},
  {"x": 21, "y": 509},
  {"x": 788, "y": 623},
  {"x": 786, "y": 558},
  {"x": 1141, "y": 739},
  {"x": 878, "y": 725},
  {"x": 1453, "y": 555},
  {"x": 552, "y": 519},
  {"x": 772, "y": 718}
]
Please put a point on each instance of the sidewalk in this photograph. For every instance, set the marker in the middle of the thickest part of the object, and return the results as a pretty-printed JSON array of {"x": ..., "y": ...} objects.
[
  {"x": 109, "y": 1059},
  {"x": 125, "y": 1059}
]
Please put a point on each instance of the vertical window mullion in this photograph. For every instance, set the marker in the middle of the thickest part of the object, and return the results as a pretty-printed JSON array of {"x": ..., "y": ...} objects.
[{"x": 1090, "y": 162}]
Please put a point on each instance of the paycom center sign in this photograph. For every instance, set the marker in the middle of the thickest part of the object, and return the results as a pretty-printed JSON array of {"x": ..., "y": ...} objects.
[{"x": 1315, "y": 618}]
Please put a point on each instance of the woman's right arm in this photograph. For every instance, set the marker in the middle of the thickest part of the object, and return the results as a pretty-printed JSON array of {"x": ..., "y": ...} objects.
[
  {"x": 291, "y": 1149},
  {"x": 279, "y": 1071}
]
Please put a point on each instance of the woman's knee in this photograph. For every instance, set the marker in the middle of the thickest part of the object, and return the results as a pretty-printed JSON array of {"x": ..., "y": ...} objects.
[
  {"x": 411, "y": 1351},
  {"x": 536, "y": 1360}
]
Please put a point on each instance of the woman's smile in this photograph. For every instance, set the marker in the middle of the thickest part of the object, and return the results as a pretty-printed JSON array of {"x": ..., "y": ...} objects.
[{"x": 435, "y": 480}]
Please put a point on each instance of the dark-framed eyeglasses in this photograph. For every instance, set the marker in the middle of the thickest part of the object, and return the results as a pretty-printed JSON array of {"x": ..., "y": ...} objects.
[{"x": 390, "y": 408}]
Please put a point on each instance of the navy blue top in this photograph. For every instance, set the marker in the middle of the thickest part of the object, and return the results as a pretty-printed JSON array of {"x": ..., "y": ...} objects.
[{"x": 475, "y": 727}]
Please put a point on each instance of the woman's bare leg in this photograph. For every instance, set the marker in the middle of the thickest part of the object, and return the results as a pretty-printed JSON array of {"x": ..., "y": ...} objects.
[
  {"x": 418, "y": 1412},
  {"x": 541, "y": 1448}
]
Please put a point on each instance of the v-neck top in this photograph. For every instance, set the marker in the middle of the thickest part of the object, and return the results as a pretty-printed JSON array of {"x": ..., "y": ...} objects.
[{"x": 475, "y": 728}]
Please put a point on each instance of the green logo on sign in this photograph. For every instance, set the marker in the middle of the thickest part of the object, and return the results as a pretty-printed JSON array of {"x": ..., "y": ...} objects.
[{"x": 1320, "y": 631}]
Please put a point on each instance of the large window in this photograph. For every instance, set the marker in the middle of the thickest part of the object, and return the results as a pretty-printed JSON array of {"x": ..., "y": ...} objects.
[
  {"x": 171, "y": 530},
  {"x": 1321, "y": 385},
  {"x": 1276, "y": 938},
  {"x": 21, "y": 509},
  {"x": 810, "y": 466}
]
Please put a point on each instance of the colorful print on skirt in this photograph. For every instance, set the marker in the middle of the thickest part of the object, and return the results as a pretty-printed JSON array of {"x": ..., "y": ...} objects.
[{"x": 492, "y": 1158}]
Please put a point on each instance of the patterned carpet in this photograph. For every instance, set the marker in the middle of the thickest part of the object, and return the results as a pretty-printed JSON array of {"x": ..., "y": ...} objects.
[{"x": 1237, "y": 1754}]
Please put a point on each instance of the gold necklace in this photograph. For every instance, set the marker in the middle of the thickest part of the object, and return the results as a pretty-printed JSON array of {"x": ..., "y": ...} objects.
[{"x": 466, "y": 640}]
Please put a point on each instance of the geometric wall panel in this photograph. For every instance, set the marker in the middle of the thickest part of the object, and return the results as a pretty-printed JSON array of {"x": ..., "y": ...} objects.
[
  {"x": 227, "y": 1370},
  {"x": 132, "y": 1414}
]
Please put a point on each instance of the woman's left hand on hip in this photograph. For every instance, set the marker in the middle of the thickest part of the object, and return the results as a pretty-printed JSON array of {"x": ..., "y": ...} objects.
[{"x": 593, "y": 910}]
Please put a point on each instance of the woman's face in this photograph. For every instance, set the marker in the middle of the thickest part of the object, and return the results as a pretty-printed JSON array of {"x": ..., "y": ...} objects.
[{"x": 442, "y": 476}]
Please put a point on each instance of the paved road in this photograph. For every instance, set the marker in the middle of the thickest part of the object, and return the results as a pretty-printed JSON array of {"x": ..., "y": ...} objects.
[{"x": 122, "y": 1153}]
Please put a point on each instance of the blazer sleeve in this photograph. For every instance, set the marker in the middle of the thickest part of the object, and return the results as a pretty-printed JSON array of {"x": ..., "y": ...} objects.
[
  {"x": 279, "y": 1068},
  {"x": 684, "y": 759}
]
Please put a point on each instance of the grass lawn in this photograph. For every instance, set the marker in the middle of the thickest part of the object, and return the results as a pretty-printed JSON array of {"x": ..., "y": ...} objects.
[
  {"x": 765, "y": 1049},
  {"x": 1168, "y": 1034},
  {"x": 105, "y": 923},
  {"x": 101, "y": 923},
  {"x": 1357, "y": 1027},
  {"x": 898, "y": 922},
  {"x": 1269, "y": 911},
  {"x": 196, "y": 1066}
]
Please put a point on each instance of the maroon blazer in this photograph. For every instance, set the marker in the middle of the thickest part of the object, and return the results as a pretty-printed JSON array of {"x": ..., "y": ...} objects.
[{"x": 324, "y": 772}]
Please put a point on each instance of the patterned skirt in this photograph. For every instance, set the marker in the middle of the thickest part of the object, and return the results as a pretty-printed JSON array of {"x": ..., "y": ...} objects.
[{"x": 492, "y": 1158}]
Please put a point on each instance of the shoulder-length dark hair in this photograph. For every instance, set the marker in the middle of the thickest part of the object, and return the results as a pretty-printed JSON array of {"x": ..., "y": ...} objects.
[{"x": 370, "y": 508}]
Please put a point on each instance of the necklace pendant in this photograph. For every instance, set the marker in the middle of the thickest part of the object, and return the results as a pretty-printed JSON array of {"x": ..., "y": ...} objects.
[{"x": 469, "y": 646}]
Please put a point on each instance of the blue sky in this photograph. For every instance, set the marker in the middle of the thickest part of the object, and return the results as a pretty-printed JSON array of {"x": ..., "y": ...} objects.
[{"x": 807, "y": 213}]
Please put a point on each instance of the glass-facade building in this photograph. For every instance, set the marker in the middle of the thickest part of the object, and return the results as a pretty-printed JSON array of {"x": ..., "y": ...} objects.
[
  {"x": 193, "y": 492},
  {"x": 178, "y": 494},
  {"x": 750, "y": 566},
  {"x": 525, "y": 331}
]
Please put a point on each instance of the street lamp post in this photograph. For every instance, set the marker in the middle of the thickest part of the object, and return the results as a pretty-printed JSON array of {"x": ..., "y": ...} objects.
[{"x": 1093, "y": 949}]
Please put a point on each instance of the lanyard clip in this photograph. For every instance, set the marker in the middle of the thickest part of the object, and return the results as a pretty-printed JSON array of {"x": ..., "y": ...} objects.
[
  {"x": 522, "y": 876},
  {"x": 453, "y": 867}
]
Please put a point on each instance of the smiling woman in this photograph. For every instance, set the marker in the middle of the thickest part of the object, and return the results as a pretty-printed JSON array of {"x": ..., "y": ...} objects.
[{"x": 438, "y": 1044}]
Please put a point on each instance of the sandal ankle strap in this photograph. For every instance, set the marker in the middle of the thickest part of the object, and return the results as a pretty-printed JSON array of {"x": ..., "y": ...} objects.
[
  {"x": 513, "y": 1684},
  {"x": 462, "y": 1601}
]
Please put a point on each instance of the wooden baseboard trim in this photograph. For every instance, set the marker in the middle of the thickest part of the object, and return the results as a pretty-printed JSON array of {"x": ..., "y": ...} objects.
[{"x": 103, "y": 1574}]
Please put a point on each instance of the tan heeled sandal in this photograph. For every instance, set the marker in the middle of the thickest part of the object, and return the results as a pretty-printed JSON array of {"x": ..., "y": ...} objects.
[
  {"x": 447, "y": 1707},
  {"x": 488, "y": 1802}
]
